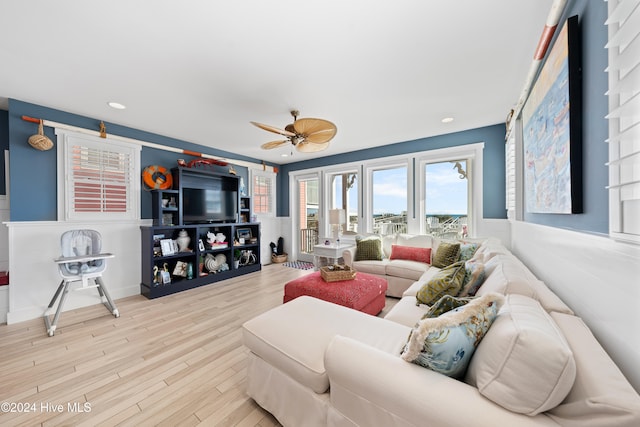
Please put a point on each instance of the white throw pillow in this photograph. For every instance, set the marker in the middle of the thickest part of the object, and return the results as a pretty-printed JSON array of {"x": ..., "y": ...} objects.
[{"x": 524, "y": 363}]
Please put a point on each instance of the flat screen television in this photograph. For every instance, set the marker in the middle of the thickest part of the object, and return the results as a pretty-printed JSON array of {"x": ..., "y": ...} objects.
[{"x": 216, "y": 202}]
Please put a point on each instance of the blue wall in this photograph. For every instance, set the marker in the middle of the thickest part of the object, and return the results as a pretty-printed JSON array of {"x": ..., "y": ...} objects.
[
  {"x": 33, "y": 173},
  {"x": 493, "y": 158},
  {"x": 595, "y": 129}
]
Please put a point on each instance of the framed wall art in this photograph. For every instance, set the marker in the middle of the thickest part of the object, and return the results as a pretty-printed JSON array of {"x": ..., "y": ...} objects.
[{"x": 552, "y": 129}]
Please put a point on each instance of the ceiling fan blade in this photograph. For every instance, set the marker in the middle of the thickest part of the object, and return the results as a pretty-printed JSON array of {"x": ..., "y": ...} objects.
[
  {"x": 315, "y": 130},
  {"x": 305, "y": 147},
  {"x": 273, "y": 144},
  {"x": 273, "y": 129}
]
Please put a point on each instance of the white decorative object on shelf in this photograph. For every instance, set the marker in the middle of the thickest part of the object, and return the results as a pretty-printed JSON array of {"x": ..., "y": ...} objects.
[{"x": 183, "y": 241}]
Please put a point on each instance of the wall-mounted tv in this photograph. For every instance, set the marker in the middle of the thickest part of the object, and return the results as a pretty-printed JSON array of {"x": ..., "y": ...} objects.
[{"x": 209, "y": 199}]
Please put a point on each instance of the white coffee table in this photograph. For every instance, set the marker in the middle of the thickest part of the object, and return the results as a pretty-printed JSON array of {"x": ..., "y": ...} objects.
[{"x": 332, "y": 251}]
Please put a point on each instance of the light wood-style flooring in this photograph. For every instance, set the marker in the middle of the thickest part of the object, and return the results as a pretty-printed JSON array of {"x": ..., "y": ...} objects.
[{"x": 171, "y": 361}]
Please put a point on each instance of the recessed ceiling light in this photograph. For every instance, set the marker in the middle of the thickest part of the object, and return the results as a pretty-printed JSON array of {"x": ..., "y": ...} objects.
[
  {"x": 284, "y": 155},
  {"x": 447, "y": 120},
  {"x": 116, "y": 105}
]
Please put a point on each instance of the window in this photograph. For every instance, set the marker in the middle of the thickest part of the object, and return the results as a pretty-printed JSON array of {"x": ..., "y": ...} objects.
[
  {"x": 624, "y": 120},
  {"x": 446, "y": 198},
  {"x": 263, "y": 192},
  {"x": 98, "y": 178},
  {"x": 388, "y": 194},
  {"x": 344, "y": 195}
]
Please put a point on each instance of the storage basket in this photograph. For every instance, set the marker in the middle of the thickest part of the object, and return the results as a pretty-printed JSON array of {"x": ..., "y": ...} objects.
[
  {"x": 336, "y": 273},
  {"x": 278, "y": 258}
]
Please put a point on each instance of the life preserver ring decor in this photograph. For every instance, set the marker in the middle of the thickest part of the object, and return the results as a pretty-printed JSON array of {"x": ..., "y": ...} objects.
[{"x": 157, "y": 177}]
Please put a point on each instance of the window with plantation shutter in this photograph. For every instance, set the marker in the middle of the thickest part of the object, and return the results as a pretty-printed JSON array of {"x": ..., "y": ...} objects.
[
  {"x": 624, "y": 119},
  {"x": 263, "y": 192},
  {"x": 99, "y": 178},
  {"x": 513, "y": 158}
]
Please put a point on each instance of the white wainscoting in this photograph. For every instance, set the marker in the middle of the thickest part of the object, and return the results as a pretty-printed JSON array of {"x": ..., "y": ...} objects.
[
  {"x": 4, "y": 255},
  {"x": 34, "y": 276},
  {"x": 597, "y": 277}
]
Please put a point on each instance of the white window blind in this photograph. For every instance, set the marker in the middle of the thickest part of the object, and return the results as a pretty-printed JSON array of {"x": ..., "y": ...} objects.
[
  {"x": 624, "y": 119},
  {"x": 100, "y": 179}
]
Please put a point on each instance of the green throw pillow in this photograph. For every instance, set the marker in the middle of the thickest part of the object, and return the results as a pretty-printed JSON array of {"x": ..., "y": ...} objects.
[
  {"x": 447, "y": 281},
  {"x": 368, "y": 248},
  {"x": 446, "y": 254},
  {"x": 446, "y": 343},
  {"x": 444, "y": 304}
]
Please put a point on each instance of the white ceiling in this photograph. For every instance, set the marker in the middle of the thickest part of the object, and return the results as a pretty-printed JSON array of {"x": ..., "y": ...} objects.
[{"x": 200, "y": 70}]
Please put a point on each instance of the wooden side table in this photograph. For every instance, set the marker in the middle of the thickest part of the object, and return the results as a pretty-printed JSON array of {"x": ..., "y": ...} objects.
[{"x": 331, "y": 251}]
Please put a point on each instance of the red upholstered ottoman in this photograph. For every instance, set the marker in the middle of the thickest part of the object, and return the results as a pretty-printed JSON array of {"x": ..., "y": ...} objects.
[{"x": 365, "y": 293}]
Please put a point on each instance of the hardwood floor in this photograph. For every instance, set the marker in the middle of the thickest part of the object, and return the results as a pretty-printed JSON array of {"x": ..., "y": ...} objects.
[{"x": 171, "y": 361}]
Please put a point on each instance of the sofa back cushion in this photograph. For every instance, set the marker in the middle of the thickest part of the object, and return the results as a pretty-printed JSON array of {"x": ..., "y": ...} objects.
[
  {"x": 505, "y": 274},
  {"x": 601, "y": 395},
  {"x": 524, "y": 363}
]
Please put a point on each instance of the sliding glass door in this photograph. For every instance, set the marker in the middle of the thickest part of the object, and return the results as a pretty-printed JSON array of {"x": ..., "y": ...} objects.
[{"x": 306, "y": 215}]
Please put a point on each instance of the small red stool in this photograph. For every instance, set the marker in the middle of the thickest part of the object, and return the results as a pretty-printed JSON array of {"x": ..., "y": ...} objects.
[{"x": 365, "y": 293}]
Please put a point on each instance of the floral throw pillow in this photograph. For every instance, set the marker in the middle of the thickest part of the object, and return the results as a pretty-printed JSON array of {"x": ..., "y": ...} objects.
[
  {"x": 467, "y": 250},
  {"x": 473, "y": 278},
  {"x": 446, "y": 343},
  {"x": 368, "y": 248}
]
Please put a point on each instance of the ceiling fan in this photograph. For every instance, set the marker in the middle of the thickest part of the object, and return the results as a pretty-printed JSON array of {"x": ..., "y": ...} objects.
[{"x": 306, "y": 134}]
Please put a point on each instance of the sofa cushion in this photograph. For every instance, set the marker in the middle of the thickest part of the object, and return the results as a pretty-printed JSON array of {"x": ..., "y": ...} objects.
[
  {"x": 601, "y": 395},
  {"x": 506, "y": 275},
  {"x": 411, "y": 253},
  {"x": 447, "y": 281},
  {"x": 371, "y": 267},
  {"x": 407, "y": 269},
  {"x": 524, "y": 363},
  {"x": 406, "y": 312},
  {"x": 446, "y": 343},
  {"x": 368, "y": 248},
  {"x": 414, "y": 240},
  {"x": 298, "y": 347},
  {"x": 446, "y": 254}
]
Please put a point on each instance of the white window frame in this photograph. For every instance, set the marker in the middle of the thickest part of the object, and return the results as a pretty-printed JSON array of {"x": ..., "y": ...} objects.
[
  {"x": 370, "y": 167},
  {"x": 624, "y": 119},
  {"x": 472, "y": 153},
  {"x": 272, "y": 197},
  {"x": 327, "y": 174},
  {"x": 66, "y": 139}
]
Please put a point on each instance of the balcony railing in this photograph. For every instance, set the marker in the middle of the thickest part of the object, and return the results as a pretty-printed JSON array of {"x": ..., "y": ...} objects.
[{"x": 308, "y": 239}]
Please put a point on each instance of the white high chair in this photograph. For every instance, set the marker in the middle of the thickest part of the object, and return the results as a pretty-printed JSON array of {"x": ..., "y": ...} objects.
[{"x": 81, "y": 261}]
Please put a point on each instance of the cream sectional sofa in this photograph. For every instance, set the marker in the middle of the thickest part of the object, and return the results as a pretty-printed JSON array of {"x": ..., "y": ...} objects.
[
  {"x": 313, "y": 363},
  {"x": 400, "y": 273}
]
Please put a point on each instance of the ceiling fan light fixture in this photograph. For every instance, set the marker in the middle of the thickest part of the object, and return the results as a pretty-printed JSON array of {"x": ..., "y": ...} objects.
[{"x": 308, "y": 135}]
